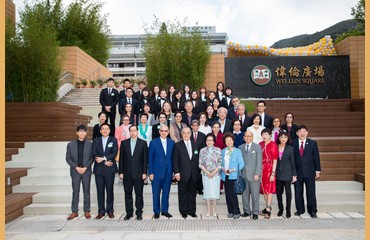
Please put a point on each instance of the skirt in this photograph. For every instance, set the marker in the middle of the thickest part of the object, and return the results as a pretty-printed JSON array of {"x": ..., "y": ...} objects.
[{"x": 211, "y": 187}]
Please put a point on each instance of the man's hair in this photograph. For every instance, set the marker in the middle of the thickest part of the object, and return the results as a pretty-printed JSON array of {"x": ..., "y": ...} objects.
[
  {"x": 110, "y": 79},
  {"x": 302, "y": 127},
  {"x": 81, "y": 127},
  {"x": 104, "y": 124},
  {"x": 127, "y": 80},
  {"x": 264, "y": 103},
  {"x": 129, "y": 128}
]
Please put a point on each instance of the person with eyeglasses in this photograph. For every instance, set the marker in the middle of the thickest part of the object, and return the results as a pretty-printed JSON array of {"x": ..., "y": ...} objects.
[
  {"x": 252, "y": 156},
  {"x": 290, "y": 127},
  {"x": 276, "y": 129},
  {"x": 210, "y": 165},
  {"x": 162, "y": 120},
  {"x": 232, "y": 112},
  {"x": 160, "y": 171}
]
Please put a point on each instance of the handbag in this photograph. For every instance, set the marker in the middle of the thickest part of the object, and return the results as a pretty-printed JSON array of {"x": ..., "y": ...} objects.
[{"x": 239, "y": 184}]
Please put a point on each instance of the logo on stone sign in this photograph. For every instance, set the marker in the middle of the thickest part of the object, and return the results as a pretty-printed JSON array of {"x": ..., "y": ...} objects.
[{"x": 261, "y": 75}]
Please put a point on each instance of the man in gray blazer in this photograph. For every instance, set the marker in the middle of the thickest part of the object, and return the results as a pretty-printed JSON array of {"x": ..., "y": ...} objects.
[
  {"x": 79, "y": 158},
  {"x": 252, "y": 155}
]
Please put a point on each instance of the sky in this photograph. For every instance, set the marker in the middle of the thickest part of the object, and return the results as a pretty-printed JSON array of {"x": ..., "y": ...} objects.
[{"x": 262, "y": 22}]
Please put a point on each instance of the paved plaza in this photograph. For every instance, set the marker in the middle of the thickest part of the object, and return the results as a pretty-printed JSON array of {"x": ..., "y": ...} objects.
[{"x": 330, "y": 225}]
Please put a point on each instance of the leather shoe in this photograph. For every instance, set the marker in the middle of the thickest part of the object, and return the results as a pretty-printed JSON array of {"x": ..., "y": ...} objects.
[
  {"x": 110, "y": 215},
  {"x": 255, "y": 217},
  {"x": 280, "y": 213},
  {"x": 193, "y": 215},
  {"x": 139, "y": 218},
  {"x": 166, "y": 214},
  {"x": 156, "y": 215},
  {"x": 288, "y": 214},
  {"x": 99, "y": 216},
  {"x": 72, "y": 216},
  {"x": 127, "y": 217},
  {"x": 246, "y": 214},
  {"x": 87, "y": 215},
  {"x": 297, "y": 214},
  {"x": 184, "y": 215},
  {"x": 313, "y": 215}
]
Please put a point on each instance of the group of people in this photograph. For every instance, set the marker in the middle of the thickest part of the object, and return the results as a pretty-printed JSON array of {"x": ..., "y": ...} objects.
[{"x": 203, "y": 141}]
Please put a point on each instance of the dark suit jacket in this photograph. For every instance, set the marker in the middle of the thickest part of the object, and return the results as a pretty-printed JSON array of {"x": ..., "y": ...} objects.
[
  {"x": 72, "y": 157},
  {"x": 122, "y": 94},
  {"x": 201, "y": 140},
  {"x": 155, "y": 130},
  {"x": 247, "y": 123},
  {"x": 231, "y": 113},
  {"x": 292, "y": 133},
  {"x": 285, "y": 167},
  {"x": 228, "y": 126},
  {"x": 224, "y": 104},
  {"x": 134, "y": 103},
  {"x": 160, "y": 164},
  {"x": 196, "y": 108},
  {"x": 268, "y": 121},
  {"x": 183, "y": 164},
  {"x": 176, "y": 108},
  {"x": 309, "y": 163},
  {"x": 136, "y": 165},
  {"x": 137, "y": 95},
  {"x": 185, "y": 118},
  {"x": 109, "y": 100},
  {"x": 111, "y": 150}
]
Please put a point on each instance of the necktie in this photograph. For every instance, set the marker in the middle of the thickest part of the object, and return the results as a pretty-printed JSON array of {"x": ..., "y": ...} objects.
[
  {"x": 109, "y": 91},
  {"x": 247, "y": 151},
  {"x": 301, "y": 149},
  {"x": 241, "y": 119},
  {"x": 195, "y": 137},
  {"x": 236, "y": 112},
  {"x": 129, "y": 100},
  {"x": 189, "y": 149}
]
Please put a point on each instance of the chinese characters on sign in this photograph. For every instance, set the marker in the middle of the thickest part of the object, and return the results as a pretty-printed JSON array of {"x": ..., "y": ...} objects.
[{"x": 306, "y": 75}]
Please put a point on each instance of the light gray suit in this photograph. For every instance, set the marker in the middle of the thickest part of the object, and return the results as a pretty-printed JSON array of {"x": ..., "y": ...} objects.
[
  {"x": 253, "y": 166},
  {"x": 72, "y": 160}
]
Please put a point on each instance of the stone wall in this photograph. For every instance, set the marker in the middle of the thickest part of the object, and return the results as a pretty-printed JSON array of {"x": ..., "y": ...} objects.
[
  {"x": 82, "y": 65},
  {"x": 215, "y": 71},
  {"x": 354, "y": 46}
]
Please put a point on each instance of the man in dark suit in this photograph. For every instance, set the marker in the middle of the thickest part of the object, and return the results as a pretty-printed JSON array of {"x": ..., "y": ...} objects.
[
  {"x": 104, "y": 152},
  {"x": 188, "y": 116},
  {"x": 185, "y": 159},
  {"x": 137, "y": 95},
  {"x": 226, "y": 125},
  {"x": 266, "y": 120},
  {"x": 244, "y": 119},
  {"x": 133, "y": 161},
  {"x": 160, "y": 171},
  {"x": 126, "y": 84},
  {"x": 158, "y": 104},
  {"x": 129, "y": 99},
  {"x": 232, "y": 112},
  {"x": 252, "y": 156},
  {"x": 199, "y": 140},
  {"x": 108, "y": 100},
  {"x": 79, "y": 158},
  {"x": 307, "y": 162}
]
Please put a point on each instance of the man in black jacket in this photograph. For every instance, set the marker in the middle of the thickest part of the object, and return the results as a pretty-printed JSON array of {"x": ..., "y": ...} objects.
[{"x": 109, "y": 100}]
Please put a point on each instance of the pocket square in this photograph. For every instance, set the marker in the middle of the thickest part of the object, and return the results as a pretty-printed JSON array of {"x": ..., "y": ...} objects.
[{"x": 110, "y": 144}]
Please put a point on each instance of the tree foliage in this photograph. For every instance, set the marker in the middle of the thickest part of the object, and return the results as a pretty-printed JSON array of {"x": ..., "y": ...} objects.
[
  {"x": 32, "y": 58},
  {"x": 175, "y": 55},
  {"x": 358, "y": 13}
]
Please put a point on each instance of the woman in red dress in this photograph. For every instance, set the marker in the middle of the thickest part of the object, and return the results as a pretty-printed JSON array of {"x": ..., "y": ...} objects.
[{"x": 269, "y": 160}]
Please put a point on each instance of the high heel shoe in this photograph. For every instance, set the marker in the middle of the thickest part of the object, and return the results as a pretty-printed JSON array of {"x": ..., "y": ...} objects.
[{"x": 268, "y": 214}]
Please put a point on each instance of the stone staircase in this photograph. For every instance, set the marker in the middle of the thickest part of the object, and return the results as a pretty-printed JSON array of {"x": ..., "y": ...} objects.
[{"x": 48, "y": 175}]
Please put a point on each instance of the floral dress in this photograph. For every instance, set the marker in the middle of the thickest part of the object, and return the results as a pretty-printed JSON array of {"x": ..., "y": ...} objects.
[{"x": 210, "y": 158}]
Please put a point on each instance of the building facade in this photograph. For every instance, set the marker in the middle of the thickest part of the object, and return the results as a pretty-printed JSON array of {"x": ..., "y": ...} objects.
[{"x": 126, "y": 58}]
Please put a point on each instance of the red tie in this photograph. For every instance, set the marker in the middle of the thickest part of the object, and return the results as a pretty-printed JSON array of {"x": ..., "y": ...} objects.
[
  {"x": 195, "y": 137},
  {"x": 236, "y": 112},
  {"x": 301, "y": 149}
]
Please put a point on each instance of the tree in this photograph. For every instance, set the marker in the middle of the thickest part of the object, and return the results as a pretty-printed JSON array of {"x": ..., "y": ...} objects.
[
  {"x": 32, "y": 58},
  {"x": 175, "y": 55},
  {"x": 83, "y": 26},
  {"x": 358, "y": 13}
]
